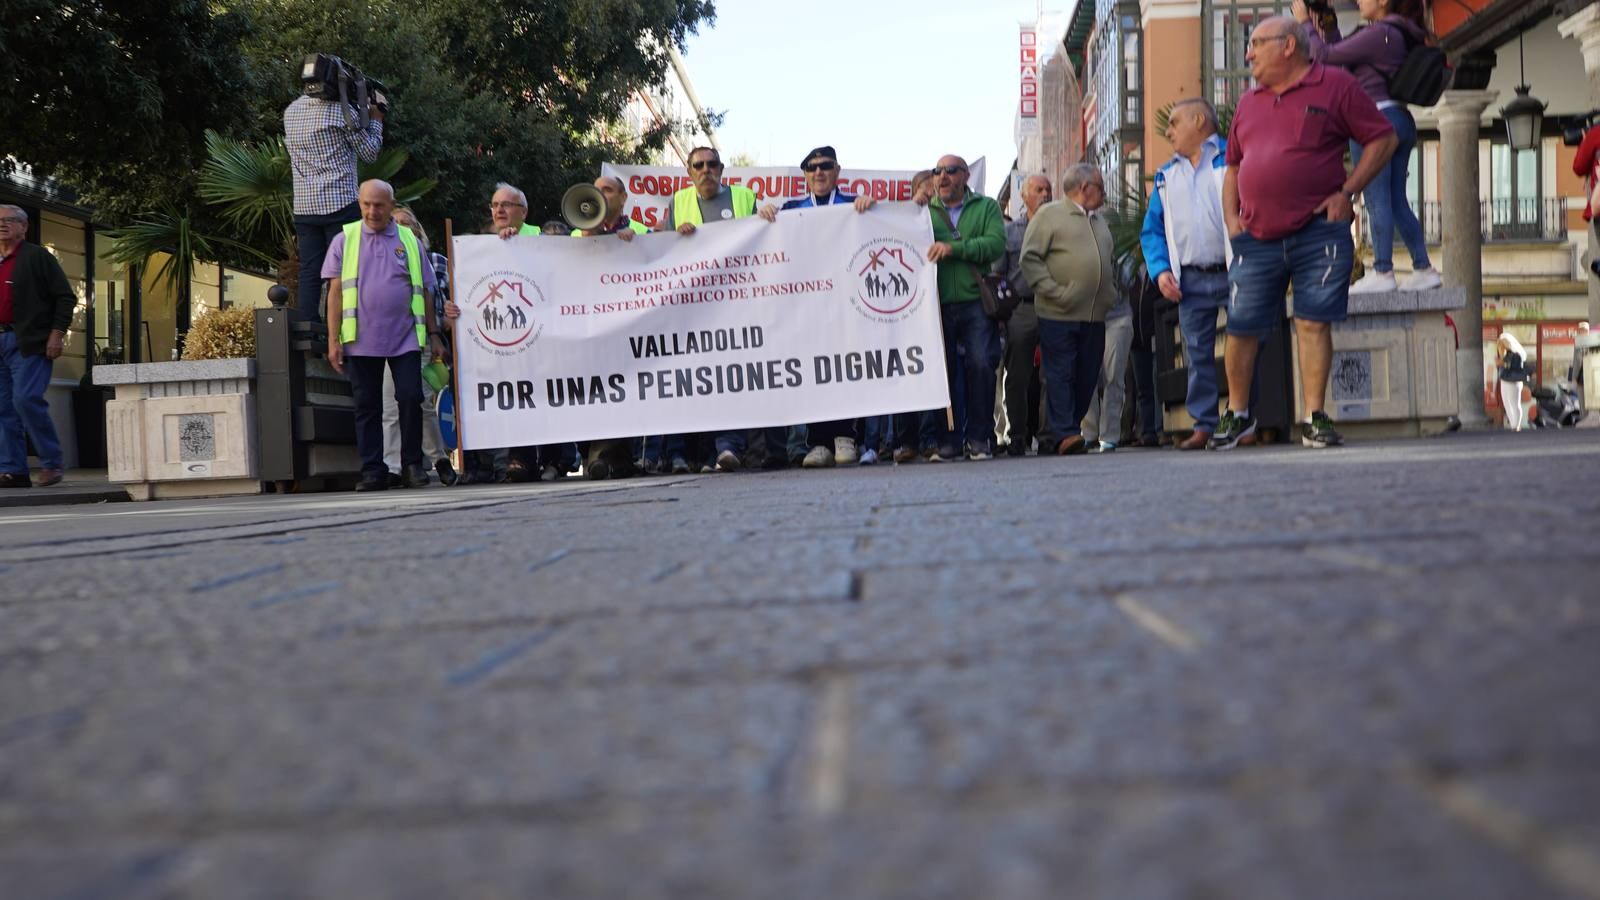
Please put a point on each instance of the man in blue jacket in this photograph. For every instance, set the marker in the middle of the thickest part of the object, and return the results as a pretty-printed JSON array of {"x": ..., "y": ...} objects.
[
  {"x": 1185, "y": 243},
  {"x": 830, "y": 442}
]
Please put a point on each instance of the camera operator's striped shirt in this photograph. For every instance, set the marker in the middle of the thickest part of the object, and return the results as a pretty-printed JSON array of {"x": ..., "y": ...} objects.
[{"x": 324, "y": 141}]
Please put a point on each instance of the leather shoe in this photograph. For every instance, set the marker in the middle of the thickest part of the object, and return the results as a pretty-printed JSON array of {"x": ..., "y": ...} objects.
[
  {"x": 10, "y": 480},
  {"x": 447, "y": 472},
  {"x": 414, "y": 476},
  {"x": 48, "y": 477},
  {"x": 1072, "y": 446},
  {"x": 375, "y": 483},
  {"x": 1197, "y": 440}
]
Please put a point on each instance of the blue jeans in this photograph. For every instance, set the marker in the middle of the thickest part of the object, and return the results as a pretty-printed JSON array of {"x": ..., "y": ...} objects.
[
  {"x": 314, "y": 234},
  {"x": 1203, "y": 294},
  {"x": 24, "y": 413},
  {"x": 652, "y": 447},
  {"x": 968, "y": 330},
  {"x": 1071, "y": 352},
  {"x": 878, "y": 433},
  {"x": 1387, "y": 205},
  {"x": 1317, "y": 259}
]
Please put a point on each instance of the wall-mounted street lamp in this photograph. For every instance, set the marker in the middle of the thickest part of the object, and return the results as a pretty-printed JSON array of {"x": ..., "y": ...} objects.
[{"x": 1524, "y": 115}]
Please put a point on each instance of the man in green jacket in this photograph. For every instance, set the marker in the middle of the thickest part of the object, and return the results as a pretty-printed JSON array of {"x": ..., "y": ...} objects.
[
  {"x": 36, "y": 303},
  {"x": 1066, "y": 256},
  {"x": 968, "y": 236}
]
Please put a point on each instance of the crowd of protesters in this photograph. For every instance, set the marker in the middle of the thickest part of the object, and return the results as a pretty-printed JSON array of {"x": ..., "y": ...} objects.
[{"x": 1232, "y": 223}]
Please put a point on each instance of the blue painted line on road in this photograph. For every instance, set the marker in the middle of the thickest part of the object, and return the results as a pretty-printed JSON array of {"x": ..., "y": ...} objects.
[
  {"x": 307, "y": 591},
  {"x": 50, "y": 723},
  {"x": 550, "y": 560},
  {"x": 468, "y": 676},
  {"x": 128, "y": 879},
  {"x": 235, "y": 578}
]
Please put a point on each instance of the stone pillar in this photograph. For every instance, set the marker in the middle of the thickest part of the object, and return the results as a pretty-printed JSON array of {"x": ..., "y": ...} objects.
[
  {"x": 1584, "y": 27},
  {"x": 1459, "y": 115}
]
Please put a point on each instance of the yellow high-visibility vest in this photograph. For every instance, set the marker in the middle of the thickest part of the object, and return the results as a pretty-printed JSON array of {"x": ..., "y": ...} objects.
[
  {"x": 686, "y": 205},
  {"x": 348, "y": 279},
  {"x": 528, "y": 229}
]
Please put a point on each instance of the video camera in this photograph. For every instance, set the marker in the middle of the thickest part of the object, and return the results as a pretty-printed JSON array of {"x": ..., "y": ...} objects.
[
  {"x": 1573, "y": 128},
  {"x": 331, "y": 78}
]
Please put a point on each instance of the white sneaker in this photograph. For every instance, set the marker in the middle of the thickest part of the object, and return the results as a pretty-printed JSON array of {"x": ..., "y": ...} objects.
[
  {"x": 728, "y": 461},
  {"x": 844, "y": 451},
  {"x": 869, "y": 457},
  {"x": 818, "y": 458},
  {"x": 1375, "y": 282},
  {"x": 1422, "y": 280}
]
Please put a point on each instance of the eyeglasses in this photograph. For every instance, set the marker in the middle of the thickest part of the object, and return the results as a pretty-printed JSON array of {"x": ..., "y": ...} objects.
[
  {"x": 826, "y": 165},
  {"x": 1258, "y": 41},
  {"x": 947, "y": 170},
  {"x": 13, "y": 220},
  {"x": 505, "y": 204},
  {"x": 701, "y": 164}
]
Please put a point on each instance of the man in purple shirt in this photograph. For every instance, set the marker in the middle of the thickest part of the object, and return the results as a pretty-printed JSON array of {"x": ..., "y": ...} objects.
[
  {"x": 382, "y": 332},
  {"x": 1286, "y": 199}
]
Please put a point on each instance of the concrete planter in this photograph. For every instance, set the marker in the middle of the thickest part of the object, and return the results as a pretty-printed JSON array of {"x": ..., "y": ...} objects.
[
  {"x": 1394, "y": 364},
  {"x": 182, "y": 429}
]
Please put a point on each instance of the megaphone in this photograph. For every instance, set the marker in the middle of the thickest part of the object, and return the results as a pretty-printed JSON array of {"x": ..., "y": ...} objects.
[{"x": 583, "y": 206}]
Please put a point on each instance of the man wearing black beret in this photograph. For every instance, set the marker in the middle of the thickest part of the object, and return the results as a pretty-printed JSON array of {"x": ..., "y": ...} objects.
[{"x": 831, "y": 442}]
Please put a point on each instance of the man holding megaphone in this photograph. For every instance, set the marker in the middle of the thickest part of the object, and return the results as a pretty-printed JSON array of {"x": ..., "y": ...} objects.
[
  {"x": 598, "y": 209},
  {"x": 594, "y": 210}
]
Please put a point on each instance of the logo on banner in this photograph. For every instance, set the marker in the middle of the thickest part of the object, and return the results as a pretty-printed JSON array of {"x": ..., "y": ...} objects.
[
  {"x": 884, "y": 273},
  {"x": 502, "y": 311}
]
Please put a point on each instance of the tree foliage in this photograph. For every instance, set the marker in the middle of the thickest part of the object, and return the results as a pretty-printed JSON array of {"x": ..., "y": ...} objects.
[{"x": 114, "y": 97}]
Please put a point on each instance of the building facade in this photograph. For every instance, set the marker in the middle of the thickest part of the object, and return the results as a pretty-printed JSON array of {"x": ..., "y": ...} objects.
[{"x": 1521, "y": 245}]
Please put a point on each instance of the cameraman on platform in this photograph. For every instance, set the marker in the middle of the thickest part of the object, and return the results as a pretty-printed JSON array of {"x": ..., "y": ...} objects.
[{"x": 325, "y": 135}]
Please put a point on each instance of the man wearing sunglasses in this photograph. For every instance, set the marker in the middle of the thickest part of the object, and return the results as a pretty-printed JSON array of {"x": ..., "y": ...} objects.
[
  {"x": 968, "y": 236},
  {"x": 708, "y": 199},
  {"x": 35, "y": 312},
  {"x": 831, "y": 442}
]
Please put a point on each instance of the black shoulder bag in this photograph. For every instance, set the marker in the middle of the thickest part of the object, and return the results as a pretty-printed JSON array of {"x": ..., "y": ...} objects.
[{"x": 994, "y": 291}]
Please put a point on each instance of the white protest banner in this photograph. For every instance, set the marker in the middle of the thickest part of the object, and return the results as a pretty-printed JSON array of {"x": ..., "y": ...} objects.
[
  {"x": 825, "y": 314},
  {"x": 650, "y": 188}
]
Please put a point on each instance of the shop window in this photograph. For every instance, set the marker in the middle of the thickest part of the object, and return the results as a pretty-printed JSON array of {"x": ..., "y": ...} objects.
[{"x": 65, "y": 239}]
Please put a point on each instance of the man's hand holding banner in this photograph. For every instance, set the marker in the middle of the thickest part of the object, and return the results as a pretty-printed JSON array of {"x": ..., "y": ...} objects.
[{"x": 826, "y": 313}]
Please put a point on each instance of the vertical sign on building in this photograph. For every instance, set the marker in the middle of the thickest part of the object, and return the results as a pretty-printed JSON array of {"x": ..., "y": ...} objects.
[{"x": 1028, "y": 60}]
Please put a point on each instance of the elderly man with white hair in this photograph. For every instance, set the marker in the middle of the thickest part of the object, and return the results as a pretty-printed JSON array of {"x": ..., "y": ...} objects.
[
  {"x": 377, "y": 316},
  {"x": 1066, "y": 257}
]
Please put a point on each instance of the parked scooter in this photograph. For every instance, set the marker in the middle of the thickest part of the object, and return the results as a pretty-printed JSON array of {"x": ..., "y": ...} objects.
[{"x": 1556, "y": 407}]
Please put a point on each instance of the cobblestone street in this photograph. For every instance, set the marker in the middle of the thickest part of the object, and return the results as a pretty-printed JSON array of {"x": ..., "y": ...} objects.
[{"x": 1367, "y": 672}]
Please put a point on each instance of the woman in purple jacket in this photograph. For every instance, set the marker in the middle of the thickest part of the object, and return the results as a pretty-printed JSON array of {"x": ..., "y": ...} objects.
[{"x": 1373, "y": 54}]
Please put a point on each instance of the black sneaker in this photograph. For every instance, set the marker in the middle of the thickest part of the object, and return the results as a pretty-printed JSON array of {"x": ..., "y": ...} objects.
[
  {"x": 1318, "y": 433},
  {"x": 1233, "y": 429}
]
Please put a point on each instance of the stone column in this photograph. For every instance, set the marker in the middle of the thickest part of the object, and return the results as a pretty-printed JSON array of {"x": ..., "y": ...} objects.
[
  {"x": 1459, "y": 115},
  {"x": 1584, "y": 27}
]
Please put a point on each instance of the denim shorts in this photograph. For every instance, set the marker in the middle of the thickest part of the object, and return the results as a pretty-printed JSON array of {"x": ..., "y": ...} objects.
[{"x": 1316, "y": 260}]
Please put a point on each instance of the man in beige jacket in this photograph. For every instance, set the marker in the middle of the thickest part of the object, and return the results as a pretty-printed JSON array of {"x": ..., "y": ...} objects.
[{"x": 1066, "y": 257}]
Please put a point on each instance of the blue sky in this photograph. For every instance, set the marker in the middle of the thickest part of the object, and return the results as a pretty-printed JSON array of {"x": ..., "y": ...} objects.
[{"x": 891, "y": 84}]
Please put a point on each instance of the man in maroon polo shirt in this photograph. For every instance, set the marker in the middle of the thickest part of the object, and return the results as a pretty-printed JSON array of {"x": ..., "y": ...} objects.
[{"x": 1287, "y": 201}]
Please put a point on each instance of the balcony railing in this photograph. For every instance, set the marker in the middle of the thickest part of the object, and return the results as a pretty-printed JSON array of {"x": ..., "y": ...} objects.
[{"x": 1506, "y": 220}]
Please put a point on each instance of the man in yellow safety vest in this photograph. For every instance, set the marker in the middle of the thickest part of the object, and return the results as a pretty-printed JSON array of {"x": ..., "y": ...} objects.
[{"x": 377, "y": 279}]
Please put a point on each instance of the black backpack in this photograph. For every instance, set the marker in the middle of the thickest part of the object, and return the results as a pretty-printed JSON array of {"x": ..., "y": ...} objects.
[{"x": 1422, "y": 79}]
